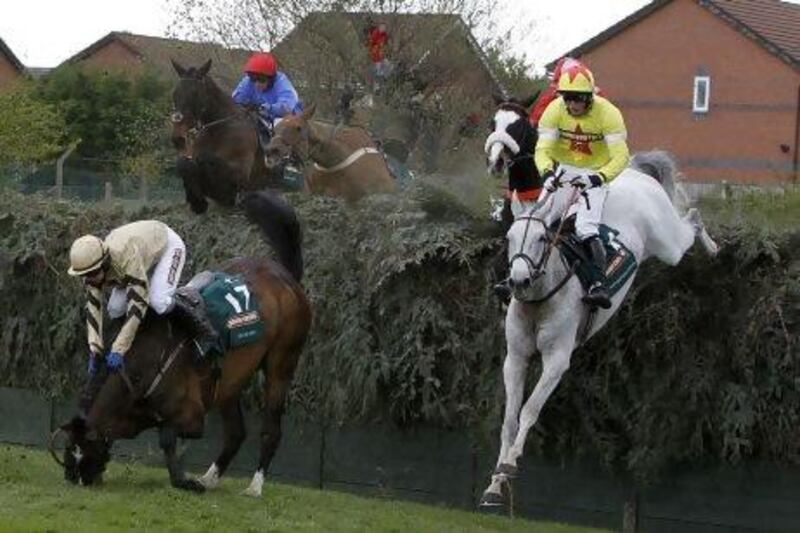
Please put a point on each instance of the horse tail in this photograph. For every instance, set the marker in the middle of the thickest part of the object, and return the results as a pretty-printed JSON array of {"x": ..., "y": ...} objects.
[
  {"x": 278, "y": 223},
  {"x": 661, "y": 166}
]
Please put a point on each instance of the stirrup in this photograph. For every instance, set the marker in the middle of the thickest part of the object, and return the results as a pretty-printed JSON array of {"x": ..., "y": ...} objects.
[{"x": 598, "y": 296}]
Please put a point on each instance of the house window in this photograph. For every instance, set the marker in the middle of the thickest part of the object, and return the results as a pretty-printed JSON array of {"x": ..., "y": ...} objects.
[{"x": 702, "y": 88}]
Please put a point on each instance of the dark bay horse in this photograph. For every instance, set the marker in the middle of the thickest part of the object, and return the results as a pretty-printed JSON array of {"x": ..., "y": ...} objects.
[
  {"x": 218, "y": 150},
  {"x": 347, "y": 163},
  {"x": 164, "y": 386}
]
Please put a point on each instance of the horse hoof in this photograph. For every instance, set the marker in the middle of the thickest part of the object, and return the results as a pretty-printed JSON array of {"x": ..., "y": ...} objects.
[
  {"x": 249, "y": 492},
  {"x": 508, "y": 470},
  {"x": 492, "y": 499},
  {"x": 192, "y": 485}
]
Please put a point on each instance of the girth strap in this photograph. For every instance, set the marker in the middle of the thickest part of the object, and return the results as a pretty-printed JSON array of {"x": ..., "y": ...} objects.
[{"x": 352, "y": 158}]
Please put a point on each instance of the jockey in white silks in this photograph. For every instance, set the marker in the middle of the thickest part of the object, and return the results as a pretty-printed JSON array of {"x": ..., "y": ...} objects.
[
  {"x": 582, "y": 137},
  {"x": 141, "y": 264}
]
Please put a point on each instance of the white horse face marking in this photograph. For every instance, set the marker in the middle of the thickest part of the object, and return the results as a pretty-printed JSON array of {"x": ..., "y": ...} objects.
[
  {"x": 77, "y": 453},
  {"x": 500, "y": 145}
]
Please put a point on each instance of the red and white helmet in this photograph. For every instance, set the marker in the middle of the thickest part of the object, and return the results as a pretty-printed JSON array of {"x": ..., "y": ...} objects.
[{"x": 261, "y": 63}]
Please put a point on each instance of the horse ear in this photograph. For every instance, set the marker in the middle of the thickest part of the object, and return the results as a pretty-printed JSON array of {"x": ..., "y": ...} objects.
[
  {"x": 203, "y": 70},
  {"x": 178, "y": 68},
  {"x": 517, "y": 209},
  {"x": 309, "y": 111}
]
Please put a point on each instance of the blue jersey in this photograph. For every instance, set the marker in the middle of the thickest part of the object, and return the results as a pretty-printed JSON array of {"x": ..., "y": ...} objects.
[{"x": 278, "y": 101}]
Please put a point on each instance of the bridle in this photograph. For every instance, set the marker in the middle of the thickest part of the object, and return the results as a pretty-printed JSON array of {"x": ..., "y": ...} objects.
[
  {"x": 198, "y": 127},
  {"x": 536, "y": 269}
]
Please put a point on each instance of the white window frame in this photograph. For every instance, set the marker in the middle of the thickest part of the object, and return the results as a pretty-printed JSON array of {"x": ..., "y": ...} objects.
[{"x": 697, "y": 106}]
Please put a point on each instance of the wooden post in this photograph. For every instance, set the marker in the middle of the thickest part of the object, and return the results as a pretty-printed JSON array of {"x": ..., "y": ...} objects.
[
  {"x": 143, "y": 188},
  {"x": 630, "y": 513},
  {"x": 60, "y": 168},
  {"x": 109, "y": 191}
]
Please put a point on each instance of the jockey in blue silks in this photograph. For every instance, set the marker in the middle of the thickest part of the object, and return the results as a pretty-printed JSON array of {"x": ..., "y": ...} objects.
[{"x": 269, "y": 89}]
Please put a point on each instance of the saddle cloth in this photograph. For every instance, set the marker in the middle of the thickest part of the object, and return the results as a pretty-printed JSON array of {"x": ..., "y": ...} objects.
[
  {"x": 620, "y": 261},
  {"x": 232, "y": 309}
]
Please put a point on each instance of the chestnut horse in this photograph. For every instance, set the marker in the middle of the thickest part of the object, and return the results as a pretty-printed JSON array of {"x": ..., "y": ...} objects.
[
  {"x": 347, "y": 163},
  {"x": 164, "y": 386},
  {"x": 219, "y": 154}
]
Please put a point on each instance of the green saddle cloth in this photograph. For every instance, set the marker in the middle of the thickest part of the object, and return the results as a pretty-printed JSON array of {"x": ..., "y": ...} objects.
[
  {"x": 233, "y": 311},
  {"x": 621, "y": 264}
]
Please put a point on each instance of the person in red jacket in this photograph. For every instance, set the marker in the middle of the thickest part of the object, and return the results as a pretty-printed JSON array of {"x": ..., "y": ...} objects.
[
  {"x": 377, "y": 42},
  {"x": 551, "y": 92}
]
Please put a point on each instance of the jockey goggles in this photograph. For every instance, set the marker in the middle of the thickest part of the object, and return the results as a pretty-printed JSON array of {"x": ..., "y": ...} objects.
[
  {"x": 576, "y": 97},
  {"x": 259, "y": 78}
]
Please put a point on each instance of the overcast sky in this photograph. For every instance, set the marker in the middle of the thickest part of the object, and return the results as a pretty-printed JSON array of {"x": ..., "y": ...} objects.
[{"x": 43, "y": 33}]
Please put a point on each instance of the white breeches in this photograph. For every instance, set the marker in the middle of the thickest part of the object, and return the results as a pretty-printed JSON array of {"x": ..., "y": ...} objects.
[{"x": 163, "y": 280}]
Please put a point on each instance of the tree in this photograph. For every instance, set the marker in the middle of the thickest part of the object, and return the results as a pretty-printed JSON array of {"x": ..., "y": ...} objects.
[
  {"x": 257, "y": 24},
  {"x": 30, "y": 130},
  {"x": 115, "y": 114}
]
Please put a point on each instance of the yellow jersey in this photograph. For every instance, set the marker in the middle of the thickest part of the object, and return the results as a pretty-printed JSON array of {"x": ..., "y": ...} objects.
[{"x": 595, "y": 140}]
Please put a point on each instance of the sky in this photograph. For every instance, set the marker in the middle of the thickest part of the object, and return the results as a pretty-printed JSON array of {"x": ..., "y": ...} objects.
[{"x": 43, "y": 33}]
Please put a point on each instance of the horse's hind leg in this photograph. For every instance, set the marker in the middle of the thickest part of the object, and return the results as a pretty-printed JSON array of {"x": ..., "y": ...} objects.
[
  {"x": 276, "y": 387},
  {"x": 234, "y": 434},
  {"x": 168, "y": 439}
]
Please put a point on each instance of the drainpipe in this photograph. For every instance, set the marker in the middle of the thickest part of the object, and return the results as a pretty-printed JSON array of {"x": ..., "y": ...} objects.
[{"x": 796, "y": 162}]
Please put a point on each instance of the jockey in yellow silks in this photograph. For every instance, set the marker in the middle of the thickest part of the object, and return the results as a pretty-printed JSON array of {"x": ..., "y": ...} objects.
[{"x": 585, "y": 135}]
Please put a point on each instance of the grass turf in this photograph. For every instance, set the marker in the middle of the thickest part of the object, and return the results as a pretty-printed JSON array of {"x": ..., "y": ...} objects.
[{"x": 35, "y": 497}]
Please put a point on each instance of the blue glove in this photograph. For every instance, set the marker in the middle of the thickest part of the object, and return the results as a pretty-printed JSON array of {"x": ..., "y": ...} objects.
[
  {"x": 115, "y": 361},
  {"x": 94, "y": 365},
  {"x": 268, "y": 110},
  {"x": 587, "y": 181}
]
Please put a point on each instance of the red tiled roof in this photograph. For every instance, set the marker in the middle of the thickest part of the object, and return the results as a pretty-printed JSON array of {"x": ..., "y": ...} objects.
[
  {"x": 776, "y": 22},
  {"x": 6, "y": 51},
  {"x": 773, "y": 24}
]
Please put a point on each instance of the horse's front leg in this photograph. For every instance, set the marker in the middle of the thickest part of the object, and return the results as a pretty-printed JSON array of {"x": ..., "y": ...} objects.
[
  {"x": 556, "y": 343},
  {"x": 168, "y": 440},
  {"x": 521, "y": 344}
]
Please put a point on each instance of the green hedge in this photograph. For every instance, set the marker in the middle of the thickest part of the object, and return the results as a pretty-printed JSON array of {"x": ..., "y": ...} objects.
[{"x": 700, "y": 364}]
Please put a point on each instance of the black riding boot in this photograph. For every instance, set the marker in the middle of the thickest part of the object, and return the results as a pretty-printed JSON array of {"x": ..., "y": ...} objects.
[
  {"x": 598, "y": 293},
  {"x": 190, "y": 306}
]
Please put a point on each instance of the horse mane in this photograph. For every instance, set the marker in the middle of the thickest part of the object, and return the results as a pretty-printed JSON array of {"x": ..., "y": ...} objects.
[{"x": 513, "y": 106}]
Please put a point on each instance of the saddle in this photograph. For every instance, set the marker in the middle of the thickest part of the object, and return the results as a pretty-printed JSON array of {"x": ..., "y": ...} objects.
[{"x": 620, "y": 261}]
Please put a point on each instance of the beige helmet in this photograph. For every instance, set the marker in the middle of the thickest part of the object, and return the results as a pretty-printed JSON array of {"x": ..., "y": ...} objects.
[{"x": 87, "y": 254}]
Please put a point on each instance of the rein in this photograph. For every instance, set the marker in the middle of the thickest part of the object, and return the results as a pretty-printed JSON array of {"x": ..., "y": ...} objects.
[
  {"x": 537, "y": 269},
  {"x": 162, "y": 371}
]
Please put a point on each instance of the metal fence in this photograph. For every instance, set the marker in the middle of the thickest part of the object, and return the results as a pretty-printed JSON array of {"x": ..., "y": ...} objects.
[{"x": 435, "y": 465}]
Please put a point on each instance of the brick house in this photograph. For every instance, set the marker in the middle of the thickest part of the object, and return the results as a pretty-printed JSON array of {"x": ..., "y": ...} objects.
[
  {"x": 716, "y": 82},
  {"x": 133, "y": 53},
  {"x": 11, "y": 69}
]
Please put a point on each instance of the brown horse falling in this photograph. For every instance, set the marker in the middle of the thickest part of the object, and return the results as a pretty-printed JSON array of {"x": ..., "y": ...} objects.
[
  {"x": 346, "y": 160},
  {"x": 176, "y": 404},
  {"x": 218, "y": 150}
]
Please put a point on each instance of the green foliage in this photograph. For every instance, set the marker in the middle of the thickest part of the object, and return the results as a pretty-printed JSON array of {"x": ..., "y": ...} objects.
[
  {"x": 30, "y": 130},
  {"x": 699, "y": 365},
  {"x": 513, "y": 72},
  {"x": 777, "y": 209},
  {"x": 115, "y": 114}
]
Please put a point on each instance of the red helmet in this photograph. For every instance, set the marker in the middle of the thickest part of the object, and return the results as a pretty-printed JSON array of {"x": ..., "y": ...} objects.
[{"x": 262, "y": 63}]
